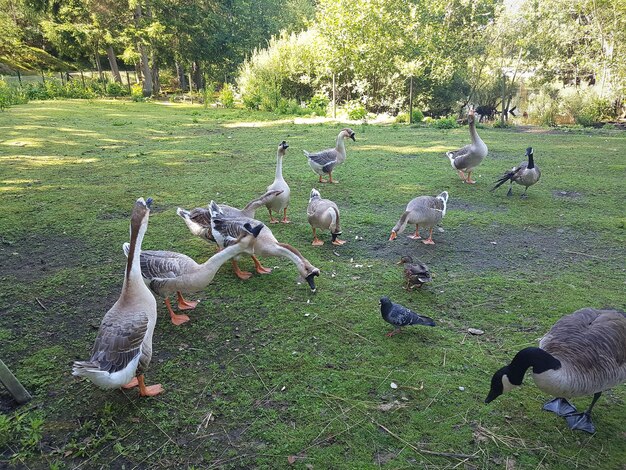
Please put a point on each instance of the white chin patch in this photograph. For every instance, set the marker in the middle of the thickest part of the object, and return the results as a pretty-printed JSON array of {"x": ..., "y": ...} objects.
[{"x": 506, "y": 385}]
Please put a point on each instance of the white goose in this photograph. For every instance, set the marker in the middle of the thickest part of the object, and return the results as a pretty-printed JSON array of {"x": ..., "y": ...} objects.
[
  {"x": 123, "y": 347},
  {"x": 422, "y": 210}
]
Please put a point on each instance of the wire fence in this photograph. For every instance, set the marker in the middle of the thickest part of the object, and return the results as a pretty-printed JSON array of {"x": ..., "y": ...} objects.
[{"x": 128, "y": 77}]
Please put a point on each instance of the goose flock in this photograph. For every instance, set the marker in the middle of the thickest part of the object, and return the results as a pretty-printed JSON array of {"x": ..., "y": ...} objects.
[{"x": 584, "y": 353}]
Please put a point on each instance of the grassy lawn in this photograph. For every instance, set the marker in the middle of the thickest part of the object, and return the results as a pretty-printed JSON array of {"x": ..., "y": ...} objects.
[{"x": 266, "y": 372}]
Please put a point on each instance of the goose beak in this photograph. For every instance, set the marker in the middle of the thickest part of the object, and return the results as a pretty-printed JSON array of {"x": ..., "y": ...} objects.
[
  {"x": 310, "y": 279},
  {"x": 393, "y": 235},
  {"x": 352, "y": 137},
  {"x": 149, "y": 202}
]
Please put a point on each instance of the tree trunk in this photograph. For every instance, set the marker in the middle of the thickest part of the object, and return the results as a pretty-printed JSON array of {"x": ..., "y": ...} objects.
[
  {"x": 197, "y": 76},
  {"x": 143, "y": 57},
  {"x": 98, "y": 63},
  {"x": 113, "y": 63},
  {"x": 155, "y": 78},
  {"x": 138, "y": 76},
  {"x": 180, "y": 73}
]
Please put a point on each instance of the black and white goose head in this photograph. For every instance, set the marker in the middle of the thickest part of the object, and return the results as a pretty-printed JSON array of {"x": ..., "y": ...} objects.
[{"x": 315, "y": 194}]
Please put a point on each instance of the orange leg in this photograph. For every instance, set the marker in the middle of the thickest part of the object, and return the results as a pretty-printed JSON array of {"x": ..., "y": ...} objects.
[
  {"x": 430, "y": 238},
  {"x": 150, "y": 391},
  {"x": 259, "y": 268},
  {"x": 272, "y": 219},
  {"x": 415, "y": 236},
  {"x": 133, "y": 383},
  {"x": 462, "y": 175},
  {"x": 469, "y": 178},
  {"x": 391, "y": 333},
  {"x": 316, "y": 241},
  {"x": 176, "y": 319},
  {"x": 321, "y": 180},
  {"x": 239, "y": 273},
  {"x": 285, "y": 219},
  {"x": 338, "y": 242},
  {"x": 185, "y": 304},
  {"x": 330, "y": 175}
]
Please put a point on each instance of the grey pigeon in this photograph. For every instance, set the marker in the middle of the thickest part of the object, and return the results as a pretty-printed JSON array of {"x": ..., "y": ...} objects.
[{"x": 400, "y": 316}]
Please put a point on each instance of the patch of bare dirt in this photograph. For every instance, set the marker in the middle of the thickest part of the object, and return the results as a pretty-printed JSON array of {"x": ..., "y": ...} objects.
[
  {"x": 559, "y": 193},
  {"x": 35, "y": 257},
  {"x": 497, "y": 247}
]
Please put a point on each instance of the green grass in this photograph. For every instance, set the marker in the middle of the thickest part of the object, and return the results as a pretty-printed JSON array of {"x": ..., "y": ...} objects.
[{"x": 265, "y": 370}]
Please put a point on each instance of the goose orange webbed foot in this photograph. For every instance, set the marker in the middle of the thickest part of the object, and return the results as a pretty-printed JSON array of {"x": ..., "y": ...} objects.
[
  {"x": 176, "y": 319},
  {"x": 186, "y": 304},
  {"x": 149, "y": 391},
  {"x": 317, "y": 242},
  {"x": 132, "y": 384},
  {"x": 428, "y": 242}
]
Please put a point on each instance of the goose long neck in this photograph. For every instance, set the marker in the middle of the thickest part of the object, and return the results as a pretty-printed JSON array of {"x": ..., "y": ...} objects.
[
  {"x": 531, "y": 162},
  {"x": 279, "y": 166},
  {"x": 341, "y": 146},
  {"x": 401, "y": 225},
  {"x": 473, "y": 133},
  {"x": 209, "y": 268},
  {"x": 537, "y": 358},
  {"x": 133, "y": 268},
  {"x": 289, "y": 252}
]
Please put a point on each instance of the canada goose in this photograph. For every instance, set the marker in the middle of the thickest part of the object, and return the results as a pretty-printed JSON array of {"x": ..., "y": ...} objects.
[
  {"x": 583, "y": 353},
  {"x": 227, "y": 229},
  {"x": 416, "y": 273},
  {"x": 325, "y": 161},
  {"x": 469, "y": 157},
  {"x": 123, "y": 347},
  {"x": 166, "y": 272},
  {"x": 423, "y": 210},
  {"x": 399, "y": 316},
  {"x": 525, "y": 174},
  {"x": 279, "y": 202},
  {"x": 323, "y": 214}
]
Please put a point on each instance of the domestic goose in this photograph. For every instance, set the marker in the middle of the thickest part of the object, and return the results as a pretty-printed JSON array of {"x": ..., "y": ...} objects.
[
  {"x": 280, "y": 202},
  {"x": 123, "y": 347},
  {"x": 465, "y": 159},
  {"x": 228, "y": 229},
  {"x": 324, "y": 162},
  {"x": 422, "y": 210},
  {"x": 166, "y": 272},
  {"x": 323, "y": 214}
]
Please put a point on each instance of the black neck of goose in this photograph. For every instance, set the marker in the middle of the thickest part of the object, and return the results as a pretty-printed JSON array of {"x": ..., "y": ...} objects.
[
  {"x": 531, "y": 161},
  {"x": 135, "y": 226},
  {"x": 536, "y": 358}
]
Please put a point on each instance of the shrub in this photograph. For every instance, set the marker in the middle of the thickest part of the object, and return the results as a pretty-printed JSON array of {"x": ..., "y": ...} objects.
[
  {"x": 501, "y": 125},
  {"x": 418, "y": 116},
  {"x": 289, "y": 107},
  {"x": 445, "y": 123},
  {"x": 319, "y": 104},
  {"x": 355, "y": 110},
  {"x": 208, "y": 94},
  {"x": 10, "y": 95},
  {"x": 136, "y": 92},
  {"x": 227, "y": 96},
  {"x": 115, "y": 89},
  {"x": 544, "y": 107},
  {"x": 402, "y": 117}
]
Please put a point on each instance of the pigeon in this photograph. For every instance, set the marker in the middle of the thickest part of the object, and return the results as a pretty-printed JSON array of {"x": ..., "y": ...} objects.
[{"x": 400, "y": 316}]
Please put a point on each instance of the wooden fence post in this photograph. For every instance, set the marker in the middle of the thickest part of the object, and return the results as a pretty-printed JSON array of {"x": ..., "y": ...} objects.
[
  {"x": 334, "y": 98},
  {"x": 43, "y": 78},
  {"x": 19, "y": 77},
  {"x": 13, "y": 385}
]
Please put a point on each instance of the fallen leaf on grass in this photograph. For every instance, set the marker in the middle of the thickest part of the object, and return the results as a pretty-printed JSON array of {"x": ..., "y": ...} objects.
[{"x": 291, "y": 459}]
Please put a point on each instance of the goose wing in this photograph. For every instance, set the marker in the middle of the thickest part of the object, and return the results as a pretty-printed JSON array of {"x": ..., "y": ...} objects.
[
  {"x": 163, "y": 264},
  {"x": 119, "y": 340},
  {"x": 231, "y": 228},
  {"x": 326, "y": 159}
]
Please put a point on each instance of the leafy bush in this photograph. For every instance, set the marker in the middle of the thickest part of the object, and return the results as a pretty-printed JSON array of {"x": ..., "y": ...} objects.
[
  {"x": 115, "y": 89},
  {"x": 402, "y": 117},
  {"x": 208, "y": 94},
  {"x": 418, "y": 116},
  {"x": 10, "y": 95},
  {"x": 286, "y": 69},
  {"x": 500, "y": 125},
  {"x": 289, "y": 107},
  {"x": 136, "y": 92},
  {"x": 355, "y": 110},
  {"x": 445, "y": 123},
  {"x": 227, "y": 96},
  {"x": 319, "y": 104},
  {"x": 544, "y": 107}
]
